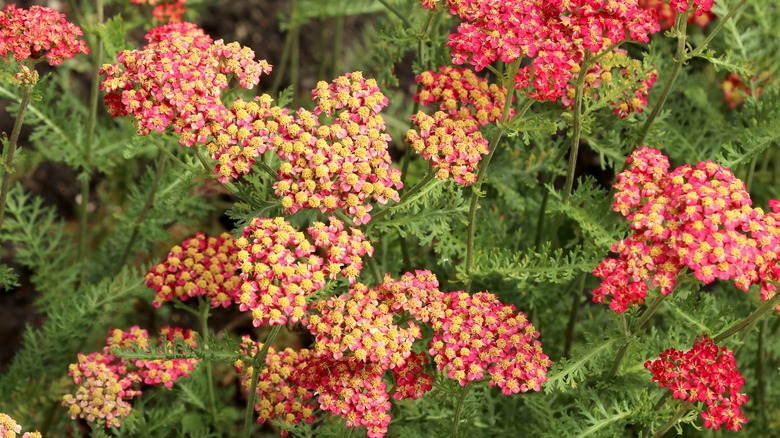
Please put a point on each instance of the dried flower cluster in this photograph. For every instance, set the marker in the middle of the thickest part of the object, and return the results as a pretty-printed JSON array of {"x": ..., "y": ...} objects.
[
  {"x": 38, "y": 31},
  {"x": 9, "y": 428},
  {"x": 201, "y": 266},
  {"x": 107, "y": 382},
  {"x": 627, "y": 90},
  {"x": 705, "y": 373},
  {"x": 450, "y": 139},
  {"x": 556, "y": 34},
  {"x": 696, "y": 217}
]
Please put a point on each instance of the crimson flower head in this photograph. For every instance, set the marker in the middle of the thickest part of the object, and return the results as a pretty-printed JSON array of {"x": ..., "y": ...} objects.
[
  {"x": 704, "y": 374},
  {"x": 37, "y": 32}
]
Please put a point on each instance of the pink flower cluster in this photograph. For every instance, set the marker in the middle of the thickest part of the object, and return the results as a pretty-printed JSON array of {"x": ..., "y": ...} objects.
[
  {"x": 278, "y": 398},
  {"x": 555, "y": 34},
  {"x": 450, "y": 139},
  {"x": 633, "y": 81},
  {"x": 177, "y": 79},
  {"x": 473, "y": 333},
  {"x": 358, "y": 339},
  {"x": 343, "y": 164},
  {"x": 201, "y": 266},
  {"x": 279, "y": 267},
  {"x": 9, "y": 428},
  {"x": 170, "y": 11},
  {"x": 700, "y": 15},
  {"x": 705, "y": 373},
  {"x": 31, "y": 33},
  {"x": 696, "y": 217},
  {"x": 107, "y": 382},
  {"x": 735, "y": 89}
]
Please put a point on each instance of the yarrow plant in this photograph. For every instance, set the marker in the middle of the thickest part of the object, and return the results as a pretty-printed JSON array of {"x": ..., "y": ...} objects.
[{"x": 392, "y": 231}]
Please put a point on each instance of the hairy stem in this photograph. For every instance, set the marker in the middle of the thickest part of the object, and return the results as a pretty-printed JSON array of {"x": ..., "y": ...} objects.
[
  {"x": 205, "y": 308},
  {"x": 463, "y": 393},
  {"x": 144, "y": 211},
  {"x": 576, "y": 128},
  {"x": 685, "y": 407},
  {"x": 483, "y": 166},
  {"x": 11, "y": 150},
  {"x": 680, "y": 29},
  {"x": 91, "y": 124},
  {"x": 258, "y": 363},
  {"x": 749, "y": 320},
  {"x": 292, "y": 33}
]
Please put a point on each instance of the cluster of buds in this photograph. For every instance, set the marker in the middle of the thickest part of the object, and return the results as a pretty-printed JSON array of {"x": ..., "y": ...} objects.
[
  {"x": 665, "y": 12},
  {"x": 29, "y": 34},
  {"x": 9, "y": 428},
  {"x": 344, "y": 164},
  {"x": 108, "y": 383},
  {"x": 555, "y": 34},
  {"x": 200, "y": 266},
  {"x": 705, "y": 373},
  {"x": 627, "y": 93},
  {"x": 696, "y": 217},
  {"x": 450, "y": 139},
  {"x": 165, "y": 11},
  {"x": 278, "y": 397},
  {"x": 177, "y": 79}
]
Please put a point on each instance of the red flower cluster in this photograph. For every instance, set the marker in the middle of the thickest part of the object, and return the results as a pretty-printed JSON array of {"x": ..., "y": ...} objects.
[
  {"x": 201, "y": 266},
  {"x": 106, "y": 381},
  {"x": 633, "y": 83},
  {"x": 31, "y": 33},
  {"x": 177, "y": 79},
  {"x": 665, "y": 12},
  {"x": 450, "y": 139},
  {"x": 554, "y": 33},
  {"x": 735, "y": 89},
  {"x": 705, "y": 373},
  {"x": 170, "y": 11},
  {"x": 696, "y": 217}
]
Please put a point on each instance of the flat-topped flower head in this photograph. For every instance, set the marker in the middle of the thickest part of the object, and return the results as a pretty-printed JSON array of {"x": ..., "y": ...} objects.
[
  {"x": 555, "y": 34},
  {"x": 696, "y": 217},
  {"x": 343, "y": 164},
  {"x": 200, "y": 266},
  {"x": 37, "y": 32},
  {"x": 344, "y": 250},
  {"x": 278, "y": 269},
  {"x": 176, "y": 81},
  {"x": 704, "y": 374},
  {"x": 9, "y": 428},
  {"x": 279, "y": 399}
]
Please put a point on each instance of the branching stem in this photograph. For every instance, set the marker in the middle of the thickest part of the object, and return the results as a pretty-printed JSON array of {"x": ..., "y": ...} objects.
[{"x": 257, "y": 366}]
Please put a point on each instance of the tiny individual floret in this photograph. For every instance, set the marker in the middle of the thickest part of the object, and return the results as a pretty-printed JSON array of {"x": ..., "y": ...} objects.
[
  {"x": 36, "y": 32},
  {"x": 278, "y": 398},
  {"x": 279, "y": 270},
  {"x": 696, "y": 217},
  {"x": 9, "y": 428},
  {"x": 704, "y": 374},
  {"x": 200, "y": 266}
]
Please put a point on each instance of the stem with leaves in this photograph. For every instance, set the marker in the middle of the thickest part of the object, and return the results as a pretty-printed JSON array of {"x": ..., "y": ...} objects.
[
  {"x": 258, "y": 364},
  {"x": 684, "y": 408},
  {"x": 462, "y": 394},
  {"x": 579, "y": 86},
  {"x": 8, "y": 162},
  {"x": 205, "y": 308}
]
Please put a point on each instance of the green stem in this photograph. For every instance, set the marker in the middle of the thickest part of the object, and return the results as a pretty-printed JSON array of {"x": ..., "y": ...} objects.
[
  {"x": 685, "y": 407},
  {"x": 144, "y": 211},
  {"x": 575, "y": 307},
  {"x": 641, "y": 324},
  {"x": 476, "y": 193},
  {"x": 623, "y": 348},
  {"x": 714, "y": 32},
  {"x": 11, "y": 150},
  {"x": 398, "y": 13},
  {"x": 681, "y": 29},
  {"x": 637, "y": 327},
  {"x": 91, "y": 124},
  {"x": 459, "y": 409},
  {"x": 205, "y": 308},
  {"x": 576, "y": 127},
  {"x": 288, "y": 46},
  {"x": 374, "y": 266},
  {"x": 259, "y": 360},
  {"x": 761, "y": 373},
  {"x": 751, "y": 319}
]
